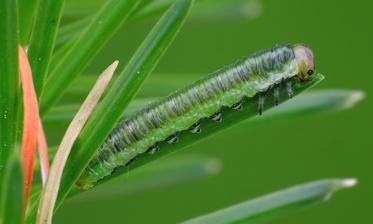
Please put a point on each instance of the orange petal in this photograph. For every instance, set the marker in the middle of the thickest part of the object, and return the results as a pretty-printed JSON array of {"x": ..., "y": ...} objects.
[{"x": 32, "y": 129}]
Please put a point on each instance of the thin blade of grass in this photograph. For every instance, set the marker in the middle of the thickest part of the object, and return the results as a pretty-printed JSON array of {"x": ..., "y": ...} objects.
[
  {"x": 26, "y": 10},
  {"x": 230, "y": 118},
  {"x": 59, "y": 54},
  {"x": 100, "y": 30},
  {"x": 71, "y": 31},
  {"x": 64, "y": 113},
  {"x": 43, "y": 39},
  {"x": 12, "y": 194},
  {"x": 309, "y": 103},
  {"x": 155, "y": 85},
  {"x": 80, "y": 8},
  {"x": 108, "y": 113},
  {"x": 9, "y": 80},
  {"x": 50, "y": 191},
  {"x": 170, "y": 172},
  {"x": 77, "y": 9},
  {"x": 278, "y": 203}
]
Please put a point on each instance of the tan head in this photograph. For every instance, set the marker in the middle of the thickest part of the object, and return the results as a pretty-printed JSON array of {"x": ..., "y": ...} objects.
[{"x": 305, "y": 60}]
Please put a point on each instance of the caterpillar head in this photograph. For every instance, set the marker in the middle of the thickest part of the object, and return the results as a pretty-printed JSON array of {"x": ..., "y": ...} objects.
[{"x": 305, "y": 60}]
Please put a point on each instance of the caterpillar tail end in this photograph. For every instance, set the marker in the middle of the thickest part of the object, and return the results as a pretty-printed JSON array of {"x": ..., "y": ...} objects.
[{"x": 85, "y": 181}]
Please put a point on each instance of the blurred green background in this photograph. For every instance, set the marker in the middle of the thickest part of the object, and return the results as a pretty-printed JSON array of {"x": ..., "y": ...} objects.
[{"x": 268, "y": 157}]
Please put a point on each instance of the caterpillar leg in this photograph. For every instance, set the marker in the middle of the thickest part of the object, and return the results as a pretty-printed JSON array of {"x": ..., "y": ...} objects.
[
  {"x": 131, "y": 161},
  {"x": 196, "y": 128},
  {"x": 276, "y": 93},
  {"x": 261, "y": 101},
  {"x": 289, "y": 89},
  {"x": 172, "y": 139},
  {"x": 217, "y": 116},
  {"x": 238, "y": 105},
  {"x": 114, "y": 170},
  {"x": 154, "y": 149}
]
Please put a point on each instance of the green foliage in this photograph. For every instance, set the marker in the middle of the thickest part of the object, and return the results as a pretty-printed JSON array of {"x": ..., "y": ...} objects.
[
  {"x": 12, "y": 193},
  {"x": 27, "y": 9},
  {"x": 121, "y": 93},
  {"x": 99, "y": 31},
  {"x": 176, "y": 170},
  {"x": 66, "y": 52},
  {"x": 42, "y": 40},
  {"x": 9, "y": 80},
  {"x": 278, "y": 203}
]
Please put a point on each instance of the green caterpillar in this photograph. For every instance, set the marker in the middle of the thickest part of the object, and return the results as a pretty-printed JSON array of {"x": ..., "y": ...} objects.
[{"x": 183, "y": 110}]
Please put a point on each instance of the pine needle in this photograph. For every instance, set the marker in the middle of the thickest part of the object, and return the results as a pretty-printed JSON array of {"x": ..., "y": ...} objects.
[{"x": 50, "y": 191}]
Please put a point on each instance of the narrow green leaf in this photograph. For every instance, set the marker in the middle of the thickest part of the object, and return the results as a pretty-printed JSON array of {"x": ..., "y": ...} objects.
[
  {"x": 71, "y": 30},
  {"x": 59, "y": 54},
  {"x": 78, "y": 9},
  {"x": 43, "y": 39},
  {"x": 105, "y": 117},
  {"x": 26, "y": 9},
  {"x": 172, "y": 171},
  {"x": 33, "y": 204},
  {"x": 65, "y": 113},
  {"x": 12, "y": 193},
  {"x": 312, "y": 102},
  {"x": 231, "y": 118},
  {"x": 9, "y": 80},
  {"x": 155, "y": 85},
  {"x": 100, "y": 30},
  {"x": 278, "y": 203}
]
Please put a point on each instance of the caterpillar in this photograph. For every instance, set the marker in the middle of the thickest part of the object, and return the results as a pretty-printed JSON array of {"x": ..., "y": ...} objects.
[{"x": 259, "y": 74}]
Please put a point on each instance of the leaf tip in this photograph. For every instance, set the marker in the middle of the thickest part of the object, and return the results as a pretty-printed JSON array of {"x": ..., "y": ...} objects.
[
  {"x": 354, "y": 98},
  {"x": 349, "y": 182},
  {"x": 115, "y": 63}
]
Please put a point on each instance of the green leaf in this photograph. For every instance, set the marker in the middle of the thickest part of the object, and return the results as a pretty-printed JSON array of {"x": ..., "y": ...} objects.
[
  {"x": 309, "y": 103},
  {"x": 230, "y": 118},
  {"x": 76, "y": 9},
  {"x": 27, "y": 9},
  {"x": 33, "y": 204},
  {"x": 12, "y": 194},
  {"x": 172, "y": 171},
  {"x": 155, "y": 85},
  {"x": 43, "y": 39},
  {"x": 278, "y": 203},
  {"x": 80, "y": 8},
  {"x": 70, "y": 31},
  {"x": 9, "y": 80},
  {"x": 100, "y": 30},
  {"x": 65, "y": 113},
  {"x": 105, "y": 117},
  {"x": 59, "y": 54},
  {"x": 313, "y": 102}
]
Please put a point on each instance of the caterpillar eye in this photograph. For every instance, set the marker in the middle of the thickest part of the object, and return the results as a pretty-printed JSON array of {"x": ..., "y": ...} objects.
[{"x": 310, "y": 72}]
